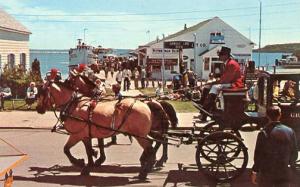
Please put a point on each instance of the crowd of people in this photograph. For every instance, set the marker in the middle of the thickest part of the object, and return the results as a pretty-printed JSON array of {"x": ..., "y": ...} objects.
[{"x": 6, "y": 94}]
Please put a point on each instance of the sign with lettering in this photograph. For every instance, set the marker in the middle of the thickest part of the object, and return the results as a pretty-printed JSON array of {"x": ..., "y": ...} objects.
[
  {"x": 178, "y": 45},
  {"x": 158, "y": 61}
]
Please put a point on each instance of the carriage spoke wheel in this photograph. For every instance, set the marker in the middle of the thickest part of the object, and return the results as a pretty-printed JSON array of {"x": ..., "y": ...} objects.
[
  {"x": 213, "y": 127},
  {"x": 217, "y": 157}
]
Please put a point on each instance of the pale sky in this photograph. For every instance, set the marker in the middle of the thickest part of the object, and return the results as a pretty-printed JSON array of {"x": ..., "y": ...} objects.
[{"x": 56, "y": 24}]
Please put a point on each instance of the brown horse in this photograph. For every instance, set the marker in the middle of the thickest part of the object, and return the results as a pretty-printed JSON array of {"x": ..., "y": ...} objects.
[
  {"x": 83, "y": 85},
  {"x": 128, "y": 116}
]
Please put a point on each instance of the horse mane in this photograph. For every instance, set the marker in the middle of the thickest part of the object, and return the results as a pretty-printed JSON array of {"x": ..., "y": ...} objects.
[
  {"x": 169, "y": 109},
  {"x": 65, "y": 84},
  {"x": 159, "y": 112},
  {"x": 88, "y": 81}
]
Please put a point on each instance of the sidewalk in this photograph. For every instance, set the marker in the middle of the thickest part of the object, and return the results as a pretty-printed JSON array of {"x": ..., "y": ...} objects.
[{"x": 31, "y": 119}]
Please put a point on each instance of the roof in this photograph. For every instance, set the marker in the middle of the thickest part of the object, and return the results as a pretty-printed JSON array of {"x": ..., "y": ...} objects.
[
  {"x": 187, "y": 30},
  {"x": 208, "y": 50},
  {"x": 8, "y": 23}
]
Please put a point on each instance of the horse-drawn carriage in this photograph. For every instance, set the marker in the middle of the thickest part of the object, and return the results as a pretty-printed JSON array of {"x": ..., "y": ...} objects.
[
  {"x": 221, "y": 153},
  {"x": 271, "y": 85}
]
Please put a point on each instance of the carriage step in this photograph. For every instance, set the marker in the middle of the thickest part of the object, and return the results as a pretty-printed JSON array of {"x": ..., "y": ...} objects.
[{"x": 183, "y": 167}]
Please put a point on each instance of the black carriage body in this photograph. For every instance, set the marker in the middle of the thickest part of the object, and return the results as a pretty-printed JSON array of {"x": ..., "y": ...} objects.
[
  {"x": 273, "y": 80},
  {"x": 232, "y": 116}
]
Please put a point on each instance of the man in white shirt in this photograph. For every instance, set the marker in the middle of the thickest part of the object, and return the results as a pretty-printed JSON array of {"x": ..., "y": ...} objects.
[
  {"x": 126, "y": 76},
  {"x": 119, "y": 76},
  {"x": 31, "y": 95},
  {"x": 5, "y": 93}
]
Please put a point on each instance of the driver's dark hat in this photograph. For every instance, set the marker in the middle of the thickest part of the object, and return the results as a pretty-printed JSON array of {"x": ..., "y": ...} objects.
[{"x": 224, "y": 51}]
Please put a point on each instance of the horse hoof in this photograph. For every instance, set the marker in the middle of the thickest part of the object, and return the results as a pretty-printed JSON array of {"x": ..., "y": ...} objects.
[
  {"x": 100, "y": 161},
  {"x": 159, "y": 164},
  {"x": 85, "y": 171},
  {"x": 142, "y": 176}
]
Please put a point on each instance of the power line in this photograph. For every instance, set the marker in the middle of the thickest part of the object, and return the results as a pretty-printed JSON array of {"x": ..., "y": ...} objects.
[
  {"x": 153, "y": 13},
  {"x": 149, "y": 20}
]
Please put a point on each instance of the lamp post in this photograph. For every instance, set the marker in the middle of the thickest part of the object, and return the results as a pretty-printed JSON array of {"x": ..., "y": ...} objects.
[
  {"x": 259, "y": 44},
  {"x": 85, "y": 29},
  {"x": 163, "y": 63},
  {"x": 195, "y": 56}
]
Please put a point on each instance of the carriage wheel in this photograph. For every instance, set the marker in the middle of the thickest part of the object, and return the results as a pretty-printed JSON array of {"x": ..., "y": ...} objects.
[
  {"x": 214, "y": 127},
  {"x": 224, "y": 163}
]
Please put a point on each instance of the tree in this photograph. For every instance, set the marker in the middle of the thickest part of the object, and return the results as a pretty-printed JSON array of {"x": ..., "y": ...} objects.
[{"x": 18, "y": 79}]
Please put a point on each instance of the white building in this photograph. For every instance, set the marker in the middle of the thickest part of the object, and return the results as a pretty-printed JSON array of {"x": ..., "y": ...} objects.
[
  {"x": 209, "y": 36},
  {"x": 14, "y": 42}
]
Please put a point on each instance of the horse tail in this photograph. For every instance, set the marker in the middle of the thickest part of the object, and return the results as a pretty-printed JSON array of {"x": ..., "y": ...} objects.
[
  {"x": 169, "y": 109},
  {"x": 159, "y": 114}
]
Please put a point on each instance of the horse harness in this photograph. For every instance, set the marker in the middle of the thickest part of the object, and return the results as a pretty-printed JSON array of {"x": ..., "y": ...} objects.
[{"x": 67, "y": 113}]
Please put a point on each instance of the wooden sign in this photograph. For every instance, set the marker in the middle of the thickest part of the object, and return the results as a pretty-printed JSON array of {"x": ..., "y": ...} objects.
[{"x": 178, "y": 45}]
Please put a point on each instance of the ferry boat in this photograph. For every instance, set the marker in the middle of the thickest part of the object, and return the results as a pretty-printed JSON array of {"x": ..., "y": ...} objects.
[
  {"x": 82, "y": 54},
  {"x": 86, "y": 54}
]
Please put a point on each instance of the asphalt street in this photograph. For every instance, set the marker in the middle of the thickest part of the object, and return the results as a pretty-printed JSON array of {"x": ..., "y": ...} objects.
[{"x": 48, "y": 166}]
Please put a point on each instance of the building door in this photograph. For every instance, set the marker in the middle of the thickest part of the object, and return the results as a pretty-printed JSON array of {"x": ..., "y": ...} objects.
[
  {"x": 192, "y": 65},
  {"x": 11, "y": 61},
  {"x": 23, "y": 60}
]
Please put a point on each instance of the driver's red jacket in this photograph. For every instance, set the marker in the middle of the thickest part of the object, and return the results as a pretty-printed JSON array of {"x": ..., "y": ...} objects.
[{"x": 232, "y": 74}]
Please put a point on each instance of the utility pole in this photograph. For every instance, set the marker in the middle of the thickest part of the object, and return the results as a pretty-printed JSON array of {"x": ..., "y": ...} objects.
[
  {"x": 163, "y": 64},
  {"x": 259, "y": 45},
  {"x": 195, "y": 56}
]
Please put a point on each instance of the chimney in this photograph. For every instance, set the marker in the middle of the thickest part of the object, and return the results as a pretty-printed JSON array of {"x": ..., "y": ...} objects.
[
  {"x": 157, "y": 38},
  {"x": 185, "y": 26}
]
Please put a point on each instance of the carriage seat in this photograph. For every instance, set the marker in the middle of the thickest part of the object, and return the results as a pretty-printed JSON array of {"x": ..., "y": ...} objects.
[
  {"x": 235, "y": 100},
  {"x": 234, "y": 90}
]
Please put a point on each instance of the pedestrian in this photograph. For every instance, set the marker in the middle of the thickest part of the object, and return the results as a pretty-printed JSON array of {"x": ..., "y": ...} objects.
[
  {"x": 106, "y": 71},
  {"x": 136, "y": 77},
  {"x": 126, "y": 76},
  {"x": 143, "y": 77},
  {"x": 275, "y": 153},
  {"x": 149, "y": 76},
  {"x": 119, "y": 76},
  {"x": 31, "y": 95},
  {"x": 159, "y": 90},
  {"x": 191, "y": 78},
  {"x": 112, "y": 69},
  {"x": 5, "y": 94}
]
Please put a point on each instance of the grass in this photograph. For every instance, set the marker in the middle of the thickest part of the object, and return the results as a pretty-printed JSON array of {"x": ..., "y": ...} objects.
[
  {"x": 18, "y": 105},
  {"x": 180, "y": 106}
]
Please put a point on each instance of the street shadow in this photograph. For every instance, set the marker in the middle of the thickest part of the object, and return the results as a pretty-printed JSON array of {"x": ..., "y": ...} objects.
[
  {"x": 57, "y": 175},
  {"x": 77, "y": 180},
  {"x": 57, "y": 169},
  {"x": 196, "y": 178}
]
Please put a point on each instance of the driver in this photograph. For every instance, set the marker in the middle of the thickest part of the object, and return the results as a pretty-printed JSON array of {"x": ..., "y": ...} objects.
[{"x": 231, "y": 78}]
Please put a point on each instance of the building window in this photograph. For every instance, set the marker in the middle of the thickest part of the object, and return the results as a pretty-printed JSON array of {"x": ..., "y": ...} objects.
[
  {"x": 206, "y": 64},
  {"x": 23, "y": 60},
  {"x": 217, "y": 38},
  {"x": 11, "y": 61}
]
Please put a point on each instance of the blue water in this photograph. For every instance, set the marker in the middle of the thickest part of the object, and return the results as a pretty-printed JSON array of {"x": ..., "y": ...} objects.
[
  {"x": 51, "y": 60},
  {"x": 60, "y": 59},
  {"x": 267, "y": 58}
]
